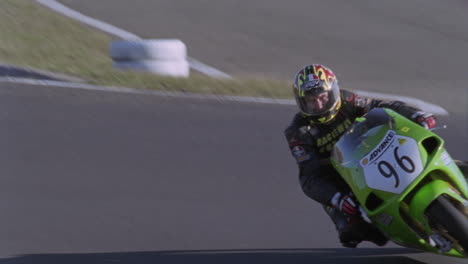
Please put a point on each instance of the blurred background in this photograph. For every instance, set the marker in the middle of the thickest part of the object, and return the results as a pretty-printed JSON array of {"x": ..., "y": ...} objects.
[{"x": 96, "y": 177}]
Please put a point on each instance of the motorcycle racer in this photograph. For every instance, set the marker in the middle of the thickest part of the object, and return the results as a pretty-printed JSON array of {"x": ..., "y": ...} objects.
[{"x": 325, "y": 113}]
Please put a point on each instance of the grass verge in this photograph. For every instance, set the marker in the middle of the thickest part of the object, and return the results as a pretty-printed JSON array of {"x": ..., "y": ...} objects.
[{"x": 32, "y": 35}]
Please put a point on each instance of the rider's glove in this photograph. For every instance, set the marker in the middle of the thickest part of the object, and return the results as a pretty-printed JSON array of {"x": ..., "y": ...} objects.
[
  {"x": 428, "y": 121},
  {"x": 345, "y": 204}
]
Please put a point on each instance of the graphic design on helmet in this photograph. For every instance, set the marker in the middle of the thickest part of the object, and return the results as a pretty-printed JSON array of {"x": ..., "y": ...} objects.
[{"x": 317, "y": 93}]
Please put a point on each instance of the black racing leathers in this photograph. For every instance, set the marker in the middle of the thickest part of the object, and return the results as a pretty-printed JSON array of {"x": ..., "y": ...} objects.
[{"x": 311, "y": 144}]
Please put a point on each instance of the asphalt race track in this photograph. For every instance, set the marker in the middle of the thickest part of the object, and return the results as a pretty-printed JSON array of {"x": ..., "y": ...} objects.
[
  {"x": 90, "y": 177},
  {"x": 412, "y": 48},
  {"x": 415, "y": 47},
  {"x": 103, "y": 177}
]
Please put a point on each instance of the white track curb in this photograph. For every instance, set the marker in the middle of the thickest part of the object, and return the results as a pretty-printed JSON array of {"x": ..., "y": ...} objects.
[
  {"x": 425, "y": 106},
  {"x": 195, "y": 64},
  {"x": 430, "y": 108},
  {"x": 52, "y": 4},
  {"x": 242, "y": 99}
]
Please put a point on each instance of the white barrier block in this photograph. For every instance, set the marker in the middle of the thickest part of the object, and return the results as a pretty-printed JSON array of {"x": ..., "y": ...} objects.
[
  {"x": 179, "y": 68},
  {"x": 152, "y": 49},
  {"x": 159, "y": 56}
]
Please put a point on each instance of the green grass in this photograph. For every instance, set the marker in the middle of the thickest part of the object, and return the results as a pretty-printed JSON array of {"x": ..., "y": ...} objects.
[{"x": 32, "y": 35}]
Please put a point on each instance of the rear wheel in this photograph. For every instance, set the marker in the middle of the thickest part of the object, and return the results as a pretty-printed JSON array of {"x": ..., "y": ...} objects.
[{"x": 452, "y": 220}]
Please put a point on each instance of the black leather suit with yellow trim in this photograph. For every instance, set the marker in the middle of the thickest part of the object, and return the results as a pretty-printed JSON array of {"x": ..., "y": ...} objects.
[{"x": 311, "y": 144}]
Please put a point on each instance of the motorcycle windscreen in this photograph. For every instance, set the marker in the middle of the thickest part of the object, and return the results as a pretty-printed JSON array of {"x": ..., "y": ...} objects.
[
  {"x": 359, "y": 131},
  {"x": 389, "y": 162}
]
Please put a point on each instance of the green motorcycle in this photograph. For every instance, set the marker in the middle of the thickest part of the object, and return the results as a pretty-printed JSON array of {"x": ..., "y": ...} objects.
[{"x": 407, "y": 184}]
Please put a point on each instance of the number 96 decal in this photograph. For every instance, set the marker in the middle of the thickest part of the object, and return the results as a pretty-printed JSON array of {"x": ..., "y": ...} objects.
[{"x": 393, "y": 164}]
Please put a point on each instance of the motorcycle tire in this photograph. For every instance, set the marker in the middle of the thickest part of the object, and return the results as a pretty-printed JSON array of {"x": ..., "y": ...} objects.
[{"x": 445, "y": 214}]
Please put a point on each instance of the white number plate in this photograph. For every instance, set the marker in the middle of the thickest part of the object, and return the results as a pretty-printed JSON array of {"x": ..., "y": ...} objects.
[{"x": 393, "y": 165}]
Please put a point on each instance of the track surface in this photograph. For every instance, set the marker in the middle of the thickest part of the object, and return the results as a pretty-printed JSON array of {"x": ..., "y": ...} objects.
[
  {"x": 94, "y": 177},
  {"x": 415, "y": 47},
  {"x": 137, "y": 176}
]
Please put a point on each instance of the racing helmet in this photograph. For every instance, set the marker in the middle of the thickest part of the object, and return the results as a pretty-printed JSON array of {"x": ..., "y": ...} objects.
[{"x": 317, "y": 93}]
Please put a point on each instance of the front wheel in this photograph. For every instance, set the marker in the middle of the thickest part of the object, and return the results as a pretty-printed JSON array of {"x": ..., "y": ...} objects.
[{"x": 446, "y": 215}]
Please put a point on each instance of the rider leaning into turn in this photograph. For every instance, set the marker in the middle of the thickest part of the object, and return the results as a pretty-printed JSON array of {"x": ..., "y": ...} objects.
[{"x": 325, "y": 113}]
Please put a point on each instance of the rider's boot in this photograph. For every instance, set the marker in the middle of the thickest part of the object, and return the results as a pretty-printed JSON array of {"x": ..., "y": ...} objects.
[
  {"x": 354, "y": 230},
  {"x": 348, "y": 229},
  {"x": 372, "y": 234}
]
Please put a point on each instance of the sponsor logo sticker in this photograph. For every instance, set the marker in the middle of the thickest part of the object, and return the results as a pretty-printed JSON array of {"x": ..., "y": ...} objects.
[
  {"x": 446, "y": 158},
  {"x": 310, "y": 85},
  {"x": 298, "y": 151},
  {"x": 385, "y": 143}
]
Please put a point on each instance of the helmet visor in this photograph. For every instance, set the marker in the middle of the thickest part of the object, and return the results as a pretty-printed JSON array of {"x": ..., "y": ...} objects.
[{"x": 319, "y": 102}]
